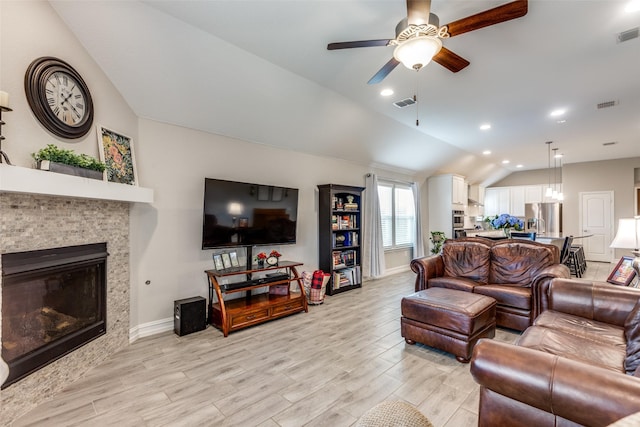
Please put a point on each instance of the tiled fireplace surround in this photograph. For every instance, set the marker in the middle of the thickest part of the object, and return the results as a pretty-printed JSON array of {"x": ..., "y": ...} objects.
[{"x": 31, "y": 222}]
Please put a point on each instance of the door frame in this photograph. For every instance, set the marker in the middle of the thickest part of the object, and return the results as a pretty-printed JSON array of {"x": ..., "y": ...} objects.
[{"x": 611, "y": 194}]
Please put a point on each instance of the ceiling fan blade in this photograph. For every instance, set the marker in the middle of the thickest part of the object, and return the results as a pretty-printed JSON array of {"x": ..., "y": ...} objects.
[
  {"x": 383, "y": 72},
  {"x": 361, "y": 43},
  {"x": 499, "y": 14},
  {"x": 450, "y": 60},
  {"x": 418, "y": 11}
]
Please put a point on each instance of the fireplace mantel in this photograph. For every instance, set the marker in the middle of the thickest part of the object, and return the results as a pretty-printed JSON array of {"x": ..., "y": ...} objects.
[{"x": 16, "y": 179}]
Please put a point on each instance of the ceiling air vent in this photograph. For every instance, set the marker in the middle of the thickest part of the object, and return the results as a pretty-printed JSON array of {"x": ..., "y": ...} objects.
[
  {"x": 606, "y": 104},
  {"x": 606, "y": 144},
  {"x": 628, "y": 35},
  {"x": 404, "y": 103}
]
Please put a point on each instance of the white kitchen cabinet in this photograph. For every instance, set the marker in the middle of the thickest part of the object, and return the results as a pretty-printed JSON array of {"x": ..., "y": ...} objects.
[
  {"x": 458, "y": 191},
  {"x": 533, "y": 193},
  {"x": 497, "y": 201},
  {"x": 516, "y": 201}
]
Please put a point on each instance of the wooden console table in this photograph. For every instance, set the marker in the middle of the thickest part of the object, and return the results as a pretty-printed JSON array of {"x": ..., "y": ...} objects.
[{"x": 251, "y": 310}]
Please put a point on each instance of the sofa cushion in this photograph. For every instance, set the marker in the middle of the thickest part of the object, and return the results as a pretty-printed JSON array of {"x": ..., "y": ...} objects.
[
  {"x": 581, "y": 327},
  {"x": 466, "y": 259},
  {"x": 518, "y": 262},
  {"x": 632, "y": 336},
  {"x": 511, "y": 296},
  {"x": 458, "y": 283},
  {"x": 572, "y": 347}
]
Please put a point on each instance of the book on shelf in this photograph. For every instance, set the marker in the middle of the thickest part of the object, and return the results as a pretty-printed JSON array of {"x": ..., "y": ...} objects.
[
  {"x": 345, "y": 239},
  {"x": 335, "y": 225},
  {"x": 344, "y": 258},
  {"x": 346, "y": 277},
  {"x": 350, "y": 206}
]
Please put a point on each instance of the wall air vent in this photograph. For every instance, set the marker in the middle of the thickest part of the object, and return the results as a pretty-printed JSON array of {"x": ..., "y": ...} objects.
[
  {"x": 404, "y": 103},
  {"x": 606, "y": 104},
  {"x": 628, "y": 35},
  {"x": 606, "y": 144}
]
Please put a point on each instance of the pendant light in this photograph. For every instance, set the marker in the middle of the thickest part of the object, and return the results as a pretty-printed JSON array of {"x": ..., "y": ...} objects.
[
  {"x": 554, "y": 193},
  {"x": 560, "y": 193},
  {"x": 549, "y": 190}
]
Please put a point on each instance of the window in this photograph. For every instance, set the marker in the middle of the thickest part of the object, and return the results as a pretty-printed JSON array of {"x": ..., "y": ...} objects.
[{"x": 397, "y": 211}]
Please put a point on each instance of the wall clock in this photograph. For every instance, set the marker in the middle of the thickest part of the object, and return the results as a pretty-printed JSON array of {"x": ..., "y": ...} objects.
[{"x": 58, "y": 97}]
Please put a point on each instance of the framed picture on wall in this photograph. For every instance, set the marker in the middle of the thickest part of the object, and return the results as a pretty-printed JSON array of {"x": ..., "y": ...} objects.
[
  {"x": 623, "y": 273},
  {"x": 116, "y": 151}
]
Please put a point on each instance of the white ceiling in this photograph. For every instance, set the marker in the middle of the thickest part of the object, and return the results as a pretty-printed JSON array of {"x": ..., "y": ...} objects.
[{"x": 260, "y": 71}]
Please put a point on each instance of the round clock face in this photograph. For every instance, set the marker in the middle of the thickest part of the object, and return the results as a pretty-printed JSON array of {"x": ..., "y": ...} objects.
[
  {"x": 272, "y": 260},
  {"x": 65, "y": 99},
  {"x": 58, "y": 97}
]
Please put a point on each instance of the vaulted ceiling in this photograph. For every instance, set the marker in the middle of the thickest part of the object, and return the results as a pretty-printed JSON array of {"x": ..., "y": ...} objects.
[{"x": 260, "y": 71}]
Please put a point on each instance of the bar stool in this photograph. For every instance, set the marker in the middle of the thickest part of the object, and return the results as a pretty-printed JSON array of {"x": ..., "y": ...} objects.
[{"x": 576, "y": 261}]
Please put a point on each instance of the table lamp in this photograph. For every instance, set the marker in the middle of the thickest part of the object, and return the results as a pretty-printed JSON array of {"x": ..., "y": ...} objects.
[{"x": 627, "y": 237}]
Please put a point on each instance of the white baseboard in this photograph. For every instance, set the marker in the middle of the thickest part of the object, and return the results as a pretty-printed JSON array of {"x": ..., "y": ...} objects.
[
  {"x": 150, "y": 328},
  {"x": 396, "y": 270}
]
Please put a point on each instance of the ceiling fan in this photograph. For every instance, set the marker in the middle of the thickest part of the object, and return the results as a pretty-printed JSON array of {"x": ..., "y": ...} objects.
[{"x": 418, "y": 36}]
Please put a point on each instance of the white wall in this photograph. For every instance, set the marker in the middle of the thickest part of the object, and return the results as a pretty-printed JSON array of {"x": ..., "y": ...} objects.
[
  {"x": 29, "y": 30},
  {"x": 165, "y": 236}
]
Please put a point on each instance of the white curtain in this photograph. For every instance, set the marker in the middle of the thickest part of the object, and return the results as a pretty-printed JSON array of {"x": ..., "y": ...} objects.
[
  {"x": 373, "y": 257},
  {"x": 418, "y": 244}
]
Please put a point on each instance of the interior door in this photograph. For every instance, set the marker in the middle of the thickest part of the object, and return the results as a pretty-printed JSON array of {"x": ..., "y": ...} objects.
[{"x": 596, "y": 220}]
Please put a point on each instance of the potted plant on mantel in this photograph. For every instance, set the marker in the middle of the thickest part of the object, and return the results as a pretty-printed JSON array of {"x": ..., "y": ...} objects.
[{"x": 59, "y": 160}]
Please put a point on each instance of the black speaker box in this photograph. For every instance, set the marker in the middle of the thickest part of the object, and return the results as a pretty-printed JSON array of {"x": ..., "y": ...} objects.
[{"x": 189, "y": 315}]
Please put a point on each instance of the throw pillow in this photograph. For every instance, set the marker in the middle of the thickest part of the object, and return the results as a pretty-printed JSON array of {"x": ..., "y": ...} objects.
[{"x": 632, "y": 335}]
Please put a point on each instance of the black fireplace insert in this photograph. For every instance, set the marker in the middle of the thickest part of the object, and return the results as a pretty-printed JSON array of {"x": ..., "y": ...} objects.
[{"x": 53, "y": 302}]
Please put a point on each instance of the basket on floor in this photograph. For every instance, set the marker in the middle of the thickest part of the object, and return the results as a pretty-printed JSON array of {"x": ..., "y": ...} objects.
[{"x": 315, "y": 285}]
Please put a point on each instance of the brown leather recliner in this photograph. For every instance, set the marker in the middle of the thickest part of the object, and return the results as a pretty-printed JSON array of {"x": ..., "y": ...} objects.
[
  {"x": 568, "y": 369},
  {"x": 510, "y": 271}
]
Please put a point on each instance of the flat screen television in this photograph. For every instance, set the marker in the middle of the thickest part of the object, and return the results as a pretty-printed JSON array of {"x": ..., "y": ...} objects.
[{"x": 244, "y": 214}]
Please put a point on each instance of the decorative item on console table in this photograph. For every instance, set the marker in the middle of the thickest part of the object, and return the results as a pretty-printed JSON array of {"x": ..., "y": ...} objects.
[
  {"x": 54, "y": 159},
  {"x": 260, "y": 258}
]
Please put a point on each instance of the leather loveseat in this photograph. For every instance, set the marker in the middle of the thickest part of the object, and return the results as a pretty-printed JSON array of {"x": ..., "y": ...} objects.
[
  {"x": 576, "y": 366},
  {"x": 509, "y": 271}
]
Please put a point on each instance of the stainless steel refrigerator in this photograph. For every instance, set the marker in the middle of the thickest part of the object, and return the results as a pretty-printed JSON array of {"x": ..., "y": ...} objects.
[{"x": 544, "y": 218}]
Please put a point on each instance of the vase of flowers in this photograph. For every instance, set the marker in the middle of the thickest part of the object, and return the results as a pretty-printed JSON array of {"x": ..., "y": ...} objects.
[
  {"x": 260, "y": 259},
  {"x": 505, "y": 222}
]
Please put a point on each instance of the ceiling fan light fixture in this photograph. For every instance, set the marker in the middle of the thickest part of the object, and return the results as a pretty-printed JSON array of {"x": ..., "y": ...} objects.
[{"x": 417, "y": 52}]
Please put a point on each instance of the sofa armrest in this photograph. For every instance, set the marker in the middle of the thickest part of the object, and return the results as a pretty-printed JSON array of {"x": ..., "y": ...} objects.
[
  {"x": 427, "y": 268},
  {"x": 592, "y": 300},
  {"x": 578, "y": 392},
  {"x": 540, "y": 286}
]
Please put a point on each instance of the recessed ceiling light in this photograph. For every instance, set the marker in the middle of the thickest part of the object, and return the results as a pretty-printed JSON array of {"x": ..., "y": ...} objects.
[
  {"x": 632, "y": 6},
  {"x": 504, "y": 162},
  {"x": 486, "y": 152},
  {"x": 561, "y": 121},
  {"x": 558, "y": 112},
  {"x": 485, "y": 126},
  {"x": 386, "y": 92},
  {"x": 519, "y": 166}
]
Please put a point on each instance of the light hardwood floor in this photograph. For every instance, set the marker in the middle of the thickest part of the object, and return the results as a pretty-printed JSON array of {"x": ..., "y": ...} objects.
[{"x": 322, "y": 368}]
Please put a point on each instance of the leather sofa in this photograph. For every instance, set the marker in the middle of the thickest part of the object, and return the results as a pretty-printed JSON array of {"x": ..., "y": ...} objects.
[
  {"x": 509, "y": 271},
  {"x": 576, "y": 365}
]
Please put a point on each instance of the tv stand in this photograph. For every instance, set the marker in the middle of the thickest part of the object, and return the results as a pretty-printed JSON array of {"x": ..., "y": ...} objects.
[{"x": 239, "y": 313}]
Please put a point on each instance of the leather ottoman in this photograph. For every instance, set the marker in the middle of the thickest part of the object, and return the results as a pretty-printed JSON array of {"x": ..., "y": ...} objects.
[{"x": 449, "y": 320}]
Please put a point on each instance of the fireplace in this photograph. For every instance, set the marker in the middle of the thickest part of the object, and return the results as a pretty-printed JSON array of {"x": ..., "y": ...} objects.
[{"x": 53, "y": 302}]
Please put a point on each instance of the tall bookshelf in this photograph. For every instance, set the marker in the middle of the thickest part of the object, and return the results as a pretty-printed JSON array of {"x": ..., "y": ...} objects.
[{"x": 340, "y": 236}]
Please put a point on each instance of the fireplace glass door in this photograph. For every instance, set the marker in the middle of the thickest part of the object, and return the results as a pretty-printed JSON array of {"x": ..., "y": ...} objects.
[{"x": 53, "y": 302}]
